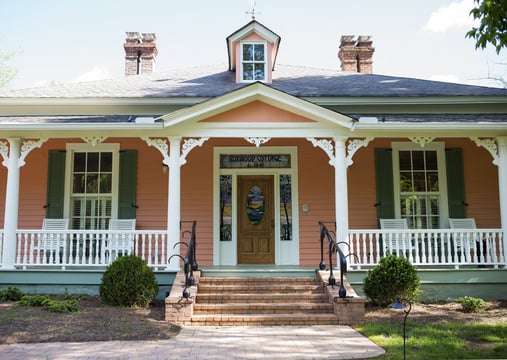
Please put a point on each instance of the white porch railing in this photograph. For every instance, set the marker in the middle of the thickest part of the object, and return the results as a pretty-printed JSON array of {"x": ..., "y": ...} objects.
[
  {"x": 89, "y": 249},
  {"x": 429, "y": 248}
]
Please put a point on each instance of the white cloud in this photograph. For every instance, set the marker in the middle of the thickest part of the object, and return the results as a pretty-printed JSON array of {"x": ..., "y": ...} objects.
[
  {"x": 453, "y": 16},
  {"x": 451, "y": 78},
  {"x": 99, "y": 72}
]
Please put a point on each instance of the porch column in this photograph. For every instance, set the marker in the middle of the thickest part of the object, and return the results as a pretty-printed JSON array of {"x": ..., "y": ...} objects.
[
  {"x": 340, "y": 183},
  {"x": 11, "y": 204},
  {"x": 173, "y": 202},
  {"x": 502, "y": 186}
]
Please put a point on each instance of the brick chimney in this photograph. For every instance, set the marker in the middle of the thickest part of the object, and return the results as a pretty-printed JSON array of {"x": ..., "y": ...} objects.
[
  {"x": 140, "y": 53},
  {"x": 356, "y": 55}
]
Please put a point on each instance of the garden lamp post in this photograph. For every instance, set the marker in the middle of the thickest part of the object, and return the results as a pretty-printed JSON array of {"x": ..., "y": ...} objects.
[{"x": 398, "y": 304}]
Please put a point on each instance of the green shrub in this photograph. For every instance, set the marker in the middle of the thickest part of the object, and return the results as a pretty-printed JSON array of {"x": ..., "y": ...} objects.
[
  {"x": 393, "y": 276},
  {"x": 59, "y": 306},
  {"x": 11, "y": 294},
  {"x": 128, "y": 281},
  {"x": 471, "y": 304}
]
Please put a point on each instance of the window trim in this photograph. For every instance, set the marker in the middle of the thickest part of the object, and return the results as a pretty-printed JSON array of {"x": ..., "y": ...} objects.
[
  {"x": 437, "y": 146},
  {"x": 71, "y": 149},
  {"x": 250, "y": 42}
]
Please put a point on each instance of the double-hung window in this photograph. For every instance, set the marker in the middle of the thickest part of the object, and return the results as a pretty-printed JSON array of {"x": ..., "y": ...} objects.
[
  {"x": 253, "y": 61},
  {"x": 92, "y": 187},
  {"x": 420, "y": 184}
]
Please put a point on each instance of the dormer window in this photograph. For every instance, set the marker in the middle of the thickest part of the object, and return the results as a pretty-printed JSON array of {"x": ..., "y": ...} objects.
[{"x": 253, "y": 61}]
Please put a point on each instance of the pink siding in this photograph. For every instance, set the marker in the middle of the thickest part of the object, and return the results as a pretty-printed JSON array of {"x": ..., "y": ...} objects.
[
  {"x": 257, "y": 111},
  {"x": 316, "y": 189}
]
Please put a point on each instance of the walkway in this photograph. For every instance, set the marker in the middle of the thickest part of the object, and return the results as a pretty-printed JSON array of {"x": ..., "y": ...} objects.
[{"x": 259, "y": 342}]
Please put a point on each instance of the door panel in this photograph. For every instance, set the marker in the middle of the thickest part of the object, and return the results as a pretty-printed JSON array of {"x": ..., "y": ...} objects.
[{"x": 256, "y": 243}]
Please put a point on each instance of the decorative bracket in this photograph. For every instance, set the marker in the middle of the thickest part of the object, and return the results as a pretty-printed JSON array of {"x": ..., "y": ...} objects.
[
  {"x": 189, "y": 145},
  {"x": 27, "y": 147},
  {"x": 490, "y": 145},
  {"x": 94, "y": 140},
  {"x": 161, "y": 145},
  {"x": 257, "y": 141},
  {"x": 327, "y": 146},
  {"x": 4, "y": 151},
  {"x": 422, "y": 140},
  {"x": 355, "y": 145}
]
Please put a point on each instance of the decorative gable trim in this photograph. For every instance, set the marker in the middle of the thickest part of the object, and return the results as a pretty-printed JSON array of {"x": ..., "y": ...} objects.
[{"x": 203, "y": 119}]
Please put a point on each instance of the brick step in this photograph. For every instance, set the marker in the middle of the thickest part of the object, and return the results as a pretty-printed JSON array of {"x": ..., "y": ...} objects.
[
  {"x": 263, "y": 308},
  {"x": 264, "y": 319},
  {"x": 219, "y": 297},
  {"x": 259, "y": 280},
  {"x": 260, "y": 288}
]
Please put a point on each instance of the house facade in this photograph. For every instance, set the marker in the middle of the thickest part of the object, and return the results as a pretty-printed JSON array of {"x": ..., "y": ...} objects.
[{"x": 257, "y": 154}]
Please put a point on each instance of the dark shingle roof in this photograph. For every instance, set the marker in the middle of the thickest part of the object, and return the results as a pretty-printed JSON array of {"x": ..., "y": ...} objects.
[{"x": 212, "y": 81}]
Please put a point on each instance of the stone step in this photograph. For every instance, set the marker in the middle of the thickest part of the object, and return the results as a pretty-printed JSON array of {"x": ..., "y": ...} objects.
[
  {"x": 264, "y": 319},
  {"x": 220, "y": 297},
  {"x": 260, "y": 288},
  {"x": 263, "y": 308},
  {"x": 257, "y": 280}
]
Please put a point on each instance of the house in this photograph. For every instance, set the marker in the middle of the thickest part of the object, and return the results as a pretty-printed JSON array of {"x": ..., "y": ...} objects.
[{"x": 257, "y": 153}]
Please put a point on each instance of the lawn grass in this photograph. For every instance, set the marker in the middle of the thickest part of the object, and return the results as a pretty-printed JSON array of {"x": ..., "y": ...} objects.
[{"x": 451, "y": 340}]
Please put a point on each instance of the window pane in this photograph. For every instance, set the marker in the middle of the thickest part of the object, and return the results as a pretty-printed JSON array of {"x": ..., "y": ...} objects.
[
  {"x": 285, "y": 207},
  {"x": 79, "y": 162},
  {"x": 248, "y": 70},
  {"x": 259, "y": 72},
  {"x": 405, "y": 163},
  {"x": 106, "y": 162},
  {"x": 259, "y": 52},
  {"x": 419, "y": 182},
  {"x": 406, "y": 182},
  {"x": 418, "y": 160},
  {"x": 105, "y": 183},
  {"x": 92, "y": 182},
  {"x": 78, "y": 184},
  {"x": 431, "y": 160},
  {"x": 92, "y": 163},
  {"x": 226, "y": 208},
  {"x": 248, "y": 52},
  {"x": 432, "y": 181}
]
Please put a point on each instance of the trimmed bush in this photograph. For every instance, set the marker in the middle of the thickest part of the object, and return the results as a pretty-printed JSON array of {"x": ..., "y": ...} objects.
[
  {"x": 394, "y": 276},
  {"x": 471, "y": 304},
  {"x": 128, "y": 281}
]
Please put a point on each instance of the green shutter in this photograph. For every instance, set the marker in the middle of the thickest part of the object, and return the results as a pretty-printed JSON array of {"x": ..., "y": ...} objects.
[
  {"x": 384, "y": 182},
  {"x": 56, "y": 184},
  {"x": 127, "y": 185},
  {"x": 455, "y": 183}
]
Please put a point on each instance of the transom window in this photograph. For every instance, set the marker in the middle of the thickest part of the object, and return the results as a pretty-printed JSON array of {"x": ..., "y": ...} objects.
[
  {"x": 253, "y": 61},
  {"x": 420, "y": 186}
]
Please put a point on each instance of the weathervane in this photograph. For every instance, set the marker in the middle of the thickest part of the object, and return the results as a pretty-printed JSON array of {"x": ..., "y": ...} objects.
[{"x": 252, "y": 12}]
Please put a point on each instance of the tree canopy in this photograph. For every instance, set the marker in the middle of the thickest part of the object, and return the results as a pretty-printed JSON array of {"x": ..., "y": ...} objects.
[{"x": 493, "y": 24}]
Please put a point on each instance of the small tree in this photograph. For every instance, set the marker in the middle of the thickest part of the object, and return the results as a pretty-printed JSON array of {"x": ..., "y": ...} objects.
[{"x": 393, "y": 276}]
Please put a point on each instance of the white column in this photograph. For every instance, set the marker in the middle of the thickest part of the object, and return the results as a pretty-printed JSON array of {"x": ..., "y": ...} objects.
[
  {"x": 174, "y": 202},
  {"x": 341, "y": 196},
  {"x": 502, "y": 186},
  {"x": 11, "y": 204}
]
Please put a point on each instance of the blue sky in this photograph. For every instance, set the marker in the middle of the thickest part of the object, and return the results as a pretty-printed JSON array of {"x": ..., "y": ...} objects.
[{"x": 62, "y": 41}]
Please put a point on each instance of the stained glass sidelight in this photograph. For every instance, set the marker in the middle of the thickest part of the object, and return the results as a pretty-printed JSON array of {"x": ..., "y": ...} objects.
[
  {"x": 285, "y": 207},
  {"x": 226, "y": 208}
]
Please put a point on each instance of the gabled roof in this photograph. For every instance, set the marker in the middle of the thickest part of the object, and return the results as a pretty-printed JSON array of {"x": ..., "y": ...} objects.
[
  {"x": 252, "y": 27},
  {"x": 308, "y": 119}
]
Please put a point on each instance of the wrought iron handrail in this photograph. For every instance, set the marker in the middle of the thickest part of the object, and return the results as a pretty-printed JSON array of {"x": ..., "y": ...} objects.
[
  {"x": 333, "y": 247},
  {"x": 190, "y": 260}
]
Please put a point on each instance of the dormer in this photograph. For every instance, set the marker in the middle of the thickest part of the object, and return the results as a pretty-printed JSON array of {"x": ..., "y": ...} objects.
[{"x": 252, "y": 53}]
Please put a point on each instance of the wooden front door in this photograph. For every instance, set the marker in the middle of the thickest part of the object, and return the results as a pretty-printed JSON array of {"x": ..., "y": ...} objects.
[{"x": 256, "y": 244}]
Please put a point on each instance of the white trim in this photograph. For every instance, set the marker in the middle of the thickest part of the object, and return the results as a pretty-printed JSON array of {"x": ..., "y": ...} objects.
[
  {"x": 286, "y": 252},
  {"x": 71, "y": 148},
  {"x": 439, "y": 147}
]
